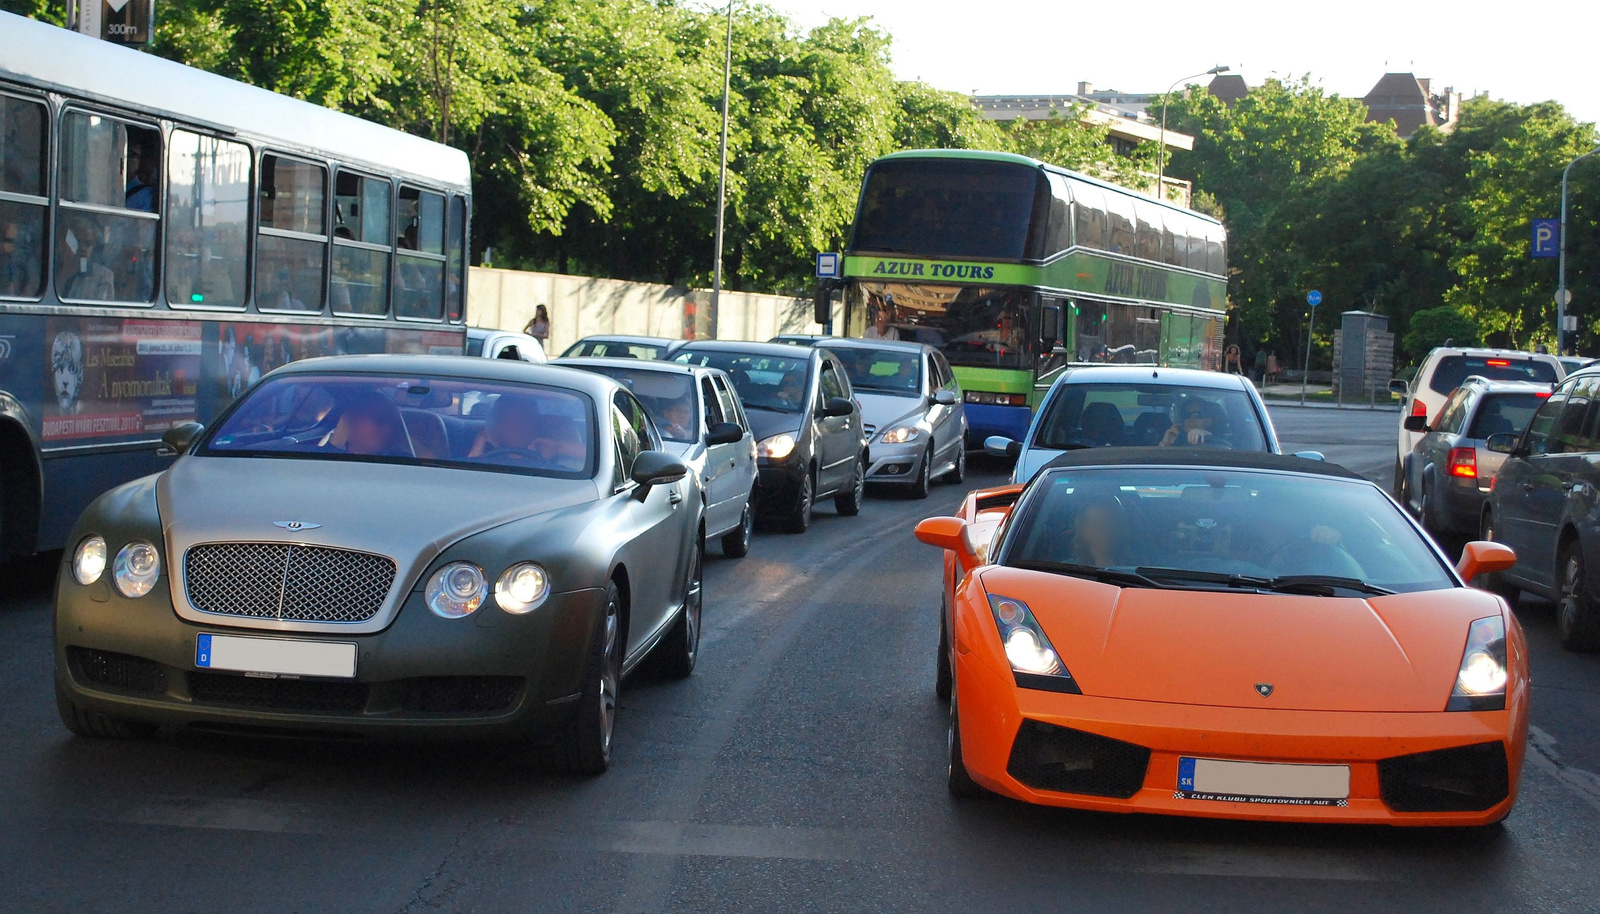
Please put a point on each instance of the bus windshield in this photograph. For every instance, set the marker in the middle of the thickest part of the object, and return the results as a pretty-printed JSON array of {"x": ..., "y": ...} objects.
[
  {"x": 946, "y": 208},
  {"x": 975, "y": 326}
]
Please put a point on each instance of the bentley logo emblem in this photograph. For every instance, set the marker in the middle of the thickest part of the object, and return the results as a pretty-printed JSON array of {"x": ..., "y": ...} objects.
[
  {"x": 301, "y": 525},
  {"x": 1264, "y": 688}
]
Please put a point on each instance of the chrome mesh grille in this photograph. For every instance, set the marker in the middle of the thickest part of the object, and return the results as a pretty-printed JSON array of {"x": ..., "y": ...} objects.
[{"x": 283, "y": 581}]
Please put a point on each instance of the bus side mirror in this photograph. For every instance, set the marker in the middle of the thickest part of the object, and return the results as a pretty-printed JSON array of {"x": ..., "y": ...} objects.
[
  {"x": 1050, "y": 325},
  {"x": 822, "y": 304}
]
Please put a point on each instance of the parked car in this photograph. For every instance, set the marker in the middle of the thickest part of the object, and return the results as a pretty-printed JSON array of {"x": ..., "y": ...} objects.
[
  {"x": 1442, "y": 371},
  {"x": 1450, "y": 471},
  {"x": 622, "y": 347},
  {"x": 1545, "y": 504},
  {"x": 390, "y": 545},
  {"x": 804, "y": 339},
  {"x": 1224, "y": 634},
  {"x": 810, "y": 440},
  {"x": 1574, "y": 362},
  {"x": 488, "y": 343},
  {"x": 703, "y": 424},
  {"x": 916, "y": 424},
  {"x": 1127, "y": 406}
]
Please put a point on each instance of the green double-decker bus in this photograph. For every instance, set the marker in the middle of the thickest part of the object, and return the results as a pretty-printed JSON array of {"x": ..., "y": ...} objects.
[{"x": 1015, "y": 269}]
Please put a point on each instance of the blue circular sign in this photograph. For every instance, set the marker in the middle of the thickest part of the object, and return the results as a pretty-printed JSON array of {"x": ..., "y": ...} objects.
[{"x": 1313, "y": 298}]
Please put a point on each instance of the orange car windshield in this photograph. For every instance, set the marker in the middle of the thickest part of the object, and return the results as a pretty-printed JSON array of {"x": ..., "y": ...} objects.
[{"x": 1207, "y": 527}]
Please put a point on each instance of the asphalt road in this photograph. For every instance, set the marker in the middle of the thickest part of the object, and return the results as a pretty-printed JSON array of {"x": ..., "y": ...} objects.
[{"x": 800, "y": 769}]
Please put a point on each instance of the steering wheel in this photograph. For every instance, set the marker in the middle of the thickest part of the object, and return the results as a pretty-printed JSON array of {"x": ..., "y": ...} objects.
[{"x": 514, "y": 454}]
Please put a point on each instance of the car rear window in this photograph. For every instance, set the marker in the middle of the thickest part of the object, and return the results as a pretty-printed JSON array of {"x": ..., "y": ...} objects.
[
  {"x": 1453, "y": 369},
  {"x": 1504, "y": 414}
]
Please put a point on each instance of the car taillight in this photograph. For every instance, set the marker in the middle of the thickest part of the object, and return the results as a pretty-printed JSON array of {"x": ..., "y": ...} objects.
[
  {"x": 1464, "y": 462},
  {"x": 1418, "y": 408}
]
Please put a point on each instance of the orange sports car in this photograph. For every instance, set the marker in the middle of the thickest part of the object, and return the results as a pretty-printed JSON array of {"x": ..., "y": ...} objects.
[{"x": 1229, "y": 635}]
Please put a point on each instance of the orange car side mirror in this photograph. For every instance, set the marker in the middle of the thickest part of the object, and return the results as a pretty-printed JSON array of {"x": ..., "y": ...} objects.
[
  {"x": 1484, "y": 557},
  {"x": 949, "y": 533}
]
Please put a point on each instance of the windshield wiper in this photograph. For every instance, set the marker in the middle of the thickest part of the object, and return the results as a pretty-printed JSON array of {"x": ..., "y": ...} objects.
[
  {"x": 770, "y": 409},
  {"x": 1092, "y": 572},
  {"x": 1316, "y": 585}
]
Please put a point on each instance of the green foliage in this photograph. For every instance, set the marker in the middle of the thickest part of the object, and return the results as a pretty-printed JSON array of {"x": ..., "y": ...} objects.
[
  {"x": 1436, "y": 326},
  {"x": 46, "y": 10}
]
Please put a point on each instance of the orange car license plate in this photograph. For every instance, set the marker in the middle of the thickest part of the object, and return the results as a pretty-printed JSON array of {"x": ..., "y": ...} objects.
[{"x": 1263, "y": 782}]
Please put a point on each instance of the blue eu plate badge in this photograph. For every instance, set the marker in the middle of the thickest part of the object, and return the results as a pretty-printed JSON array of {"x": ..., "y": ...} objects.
[
  {"x": 1186, "y": 774},
  {"x": 202, "y": 652}
]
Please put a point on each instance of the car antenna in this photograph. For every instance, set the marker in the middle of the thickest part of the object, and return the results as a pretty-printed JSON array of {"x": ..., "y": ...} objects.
[{"x": 1154, "y": 373}]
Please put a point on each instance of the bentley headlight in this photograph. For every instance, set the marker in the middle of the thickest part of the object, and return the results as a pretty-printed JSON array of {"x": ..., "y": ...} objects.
[
  {"x": 775, "y": 448},
  {"x": 1033, "y": 660},
  {"x": 89, "y": 560},
  {"x": 1481, "y": 679},
  {"x": 521, "y": 588},
  {"x": 137, "y": 566},
  {"x": 456, "y": 590},
  {"x": 900, "y": 434}
]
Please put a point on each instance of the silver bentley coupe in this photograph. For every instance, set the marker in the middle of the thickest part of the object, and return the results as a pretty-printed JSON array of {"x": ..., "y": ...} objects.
[{"x": 389, "y": 546}]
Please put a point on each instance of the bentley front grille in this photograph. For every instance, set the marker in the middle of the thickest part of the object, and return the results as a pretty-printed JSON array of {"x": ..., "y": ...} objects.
[{"x": 288, "y": 582}]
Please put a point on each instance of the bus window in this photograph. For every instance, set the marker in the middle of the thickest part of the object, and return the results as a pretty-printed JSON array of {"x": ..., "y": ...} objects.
[
  {"x": 362, "y": 241},
  {"x": 1124, "y": 240},
  {"x": 948, "y": 207},
  {"x": 456, "y": 241},
  {"x": 208, "y": 217},
  {"x": 1090, "y": 216},
  {"x": 421, "y": 261},
  {"x": 292, "y": 241},
  {"x": 1150, "y": 225},
  {"x": 1057, "y": 235},
  {"x": 105, "y": 243},
  {"x": 1196, "y": 259},
  {"x": 22, "y": 216},
  {"x": 1216, "y": 257},
  {"x": 1174, "y": 240}
]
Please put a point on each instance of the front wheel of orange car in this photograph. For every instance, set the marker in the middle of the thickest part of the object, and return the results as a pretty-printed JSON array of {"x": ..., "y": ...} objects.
[{"x": 960, "y": 783}]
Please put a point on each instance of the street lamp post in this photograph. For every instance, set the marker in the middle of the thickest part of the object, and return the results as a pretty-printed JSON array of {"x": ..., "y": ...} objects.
[
  {"x": 1561, "y": 264},
  {"x": 722, "y": 176},
  {"x": 1161, "y": 153}
]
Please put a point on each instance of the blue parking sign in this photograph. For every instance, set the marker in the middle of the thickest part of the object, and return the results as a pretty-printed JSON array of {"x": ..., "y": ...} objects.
[{"x": 1546, "y": 238}]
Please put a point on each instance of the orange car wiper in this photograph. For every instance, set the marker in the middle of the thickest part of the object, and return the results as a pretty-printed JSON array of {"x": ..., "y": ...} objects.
[
  {"x": 1092, "y": 572},
  {"x": 1289, "y": 583},
  {"x": 1317, "y": 585}
]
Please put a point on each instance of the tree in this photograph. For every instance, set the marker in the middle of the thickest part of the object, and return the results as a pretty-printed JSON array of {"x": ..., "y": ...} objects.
[{"x": 1437, "y": 326}]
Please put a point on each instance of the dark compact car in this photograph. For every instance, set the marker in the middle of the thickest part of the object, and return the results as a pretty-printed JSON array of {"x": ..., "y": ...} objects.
[
  {"x": 810, "y": 440},
  {"x": 1449, "y": 472},
  {"x": 1545, "y": 505},
  {"x": 390, "y": 545}
]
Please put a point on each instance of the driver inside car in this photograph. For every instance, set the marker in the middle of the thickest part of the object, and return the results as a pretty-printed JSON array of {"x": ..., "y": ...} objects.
[
  {"x": 511, "y": 425},
  {"x": 792, "y": 389},
  {"x": 1195, "y": 425},
  {"x": 676, "y": 417}
]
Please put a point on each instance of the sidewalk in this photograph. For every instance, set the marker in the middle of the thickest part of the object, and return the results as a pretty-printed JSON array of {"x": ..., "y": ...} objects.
[{"x": 1320, "y": 396}]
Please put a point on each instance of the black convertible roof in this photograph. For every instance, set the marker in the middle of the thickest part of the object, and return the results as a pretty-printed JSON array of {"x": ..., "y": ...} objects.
[{"x": 1197, "y": 457}]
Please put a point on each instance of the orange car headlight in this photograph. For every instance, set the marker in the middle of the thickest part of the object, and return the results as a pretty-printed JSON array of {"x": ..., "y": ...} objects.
[
  {"x": 1481, "y": 680},
  {"x": 1034, "y": 661}
]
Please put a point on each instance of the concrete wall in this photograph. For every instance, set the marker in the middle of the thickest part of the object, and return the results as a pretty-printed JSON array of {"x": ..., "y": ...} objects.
[{"x": 582, "y": 306}]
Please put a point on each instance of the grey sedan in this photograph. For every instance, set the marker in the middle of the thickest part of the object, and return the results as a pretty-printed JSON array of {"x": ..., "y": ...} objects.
[
  {"x": 703, "y": 424},
  {"x": 1449, "y": 471},
  {"x": 390, "y": 545},
  {"x": 915, "y": 421}
]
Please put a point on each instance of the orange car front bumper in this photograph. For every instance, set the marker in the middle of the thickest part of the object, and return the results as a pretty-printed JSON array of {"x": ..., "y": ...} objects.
[{"x": 993, "y": 709}]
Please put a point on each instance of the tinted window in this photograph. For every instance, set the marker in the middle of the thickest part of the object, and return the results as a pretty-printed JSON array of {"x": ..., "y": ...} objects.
[
  {"x": 1543, "y": 421},
  {"x": 1150, "y": 229},
  {"x": 1145, "y": 415},
  {"x": 522, "y": 428},
  {"x": 890, "y": 371},
  {"x": 291, "y": 248},
  {"x": 1572, "y": 431},
  {"x": 455, "y": 272},
  {"x": 107, "y": 253},
  {"x": 1500, "y": 414},
  {"x": 419, "y": 289},
  {"x": 1453, "y": 413},
  {"x": 979, "y": 326},
  {"x": 23, "y": 237},
  {"x": 948, "y": 207},
  {"x": 1123, "y": 237},
  {"x": 730, "y": 404},
  {"x": 668, "y": 397},
  {"x": 831, "y": 386},
  {"x": 1165, "y": 521},
  {"x": 713, "y": 406},
  {"x": 208, "y": 219},
  {"x": 1453, "y": 369},
  {"x": 766, "y": 382},
  {"x": 1089, "y": 214}
]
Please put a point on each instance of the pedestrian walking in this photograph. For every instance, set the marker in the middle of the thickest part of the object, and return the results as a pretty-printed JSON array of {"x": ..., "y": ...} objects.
[
  {"x": 1272, "y": 368},
  {"x": 1231, "y": 362}
]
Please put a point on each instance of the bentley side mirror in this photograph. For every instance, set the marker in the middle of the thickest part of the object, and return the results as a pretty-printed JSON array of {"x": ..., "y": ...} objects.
[
  {"x": 181, "y": 436},
  {"x": 724, "y": 433},
  {"x": 1310, "y": 455},
  {"x": 949, "y": 533},
  {"x": 1484, "y": 557},
  {"x": 837, "y": 406},
  {"x": 653, "y": 468},
  {"x": 1503, "y": 443},
  {"x": 1001, "y": 446},
  {"x": 1415, "y": 423},
  {"x": 945, "y": 397}
]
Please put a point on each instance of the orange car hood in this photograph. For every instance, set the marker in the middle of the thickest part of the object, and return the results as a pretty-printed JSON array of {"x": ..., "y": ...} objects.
[{"x": 1394, "y": 653}]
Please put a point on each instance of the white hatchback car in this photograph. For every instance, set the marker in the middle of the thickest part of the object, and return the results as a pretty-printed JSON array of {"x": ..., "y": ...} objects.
[
  {"x": 489, "y": 343},
  {"x": 1442, "y": 371}
]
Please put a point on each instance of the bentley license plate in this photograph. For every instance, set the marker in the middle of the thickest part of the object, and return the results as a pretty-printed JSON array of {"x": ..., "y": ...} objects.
[
  {"x": 277, "y": 656},
  {"x": 1263, "y": 782}
]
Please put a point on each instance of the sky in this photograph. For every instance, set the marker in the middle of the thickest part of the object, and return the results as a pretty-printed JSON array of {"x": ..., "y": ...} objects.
[{"x": 1518, "y": 51}]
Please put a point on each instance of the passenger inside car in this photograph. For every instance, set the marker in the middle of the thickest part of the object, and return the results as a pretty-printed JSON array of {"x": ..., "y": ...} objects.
[
  {"x": 370, "y": 426},
  {"x": 559, "y": 444},
  {"x": 511, "y": 426}
]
